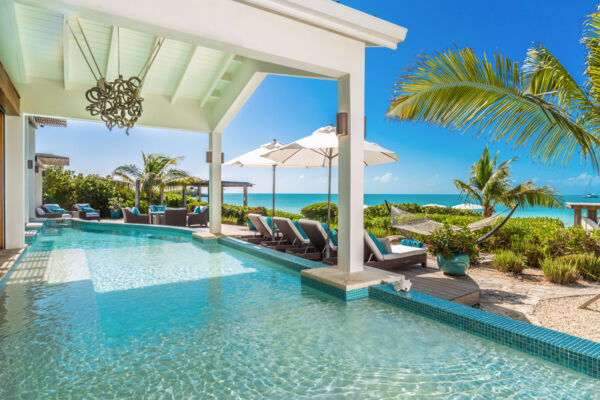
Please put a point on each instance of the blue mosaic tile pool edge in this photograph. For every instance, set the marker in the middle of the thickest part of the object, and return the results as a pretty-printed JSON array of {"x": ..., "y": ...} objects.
[
  {"x": 288, "y": 260},
  {"x": 569, "y": 351}
]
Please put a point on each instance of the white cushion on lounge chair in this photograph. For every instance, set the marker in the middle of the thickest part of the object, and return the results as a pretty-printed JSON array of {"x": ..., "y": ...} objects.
[
  {"x": 400, "y": 250},
  {"x": 92, "y": 214}
]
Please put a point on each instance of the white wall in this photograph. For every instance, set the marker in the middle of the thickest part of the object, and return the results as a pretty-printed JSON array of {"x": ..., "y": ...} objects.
[{"x": 14, "y": 195}]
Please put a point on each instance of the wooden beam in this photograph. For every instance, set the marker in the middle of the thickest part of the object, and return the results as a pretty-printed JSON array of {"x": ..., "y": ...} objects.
[
  {"x": 184, "y": 73},
  {"x": 112, "y": 54},
  {"x": 10, "y": 100},
  {"x": 66, "y": 53},
  {"x": 227, "y": 60}
]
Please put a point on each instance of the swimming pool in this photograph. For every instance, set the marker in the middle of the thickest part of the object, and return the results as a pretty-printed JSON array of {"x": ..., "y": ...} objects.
[{"x": 113, "y": 314}]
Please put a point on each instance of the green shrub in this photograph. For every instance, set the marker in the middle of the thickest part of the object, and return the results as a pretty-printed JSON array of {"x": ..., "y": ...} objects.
[
  {"x": 446, "y": 242},
  {"x": 318, "y": 212},
  {"x": 532, "y": 253},
  {"x": 588, "y": 265},
  {"x": 509, "y": 261},
  {"x": 560, "y": 271}
]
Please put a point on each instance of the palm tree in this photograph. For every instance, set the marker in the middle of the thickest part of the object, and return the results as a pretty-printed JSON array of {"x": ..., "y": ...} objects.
[
  {"x": 158, "y": 172},
  {"x": 539, "y": 106},
  {"x": 489, "y": 185}
]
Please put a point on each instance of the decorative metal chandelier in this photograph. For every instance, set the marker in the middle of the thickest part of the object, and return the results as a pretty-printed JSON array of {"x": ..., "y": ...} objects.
[{"x": 118, "y": 103}]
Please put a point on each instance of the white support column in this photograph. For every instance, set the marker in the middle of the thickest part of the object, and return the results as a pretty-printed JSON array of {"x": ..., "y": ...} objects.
[
  {"x": 351, "y": 173},
  {"x": 31, "y": 175},
  {"x": 14, "y": 200},
  {"x": 39, "y": 179},
  {"x": 214, "y": 185}
]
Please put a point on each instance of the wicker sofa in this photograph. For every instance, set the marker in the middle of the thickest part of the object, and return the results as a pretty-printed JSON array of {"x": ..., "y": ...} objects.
[
  {"x": 84, "y": 211},
  {"x": 199, "y": 218},
  {"x": 130, "y": 218}
]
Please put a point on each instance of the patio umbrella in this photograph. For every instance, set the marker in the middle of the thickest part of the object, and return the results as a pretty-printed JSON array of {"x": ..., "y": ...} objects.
[
  {"x": 320, "y": 150},
  {"x": 434, "y": 205},
  {"x": 255, "y": 159},
  {"x": 468, "y": 206}
]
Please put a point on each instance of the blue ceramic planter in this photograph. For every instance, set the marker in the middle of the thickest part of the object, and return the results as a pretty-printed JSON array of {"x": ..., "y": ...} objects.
[{"x": 457, "y": 265}]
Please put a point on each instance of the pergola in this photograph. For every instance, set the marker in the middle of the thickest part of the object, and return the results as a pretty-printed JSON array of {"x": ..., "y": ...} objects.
[{"x": 216, "y": 54}]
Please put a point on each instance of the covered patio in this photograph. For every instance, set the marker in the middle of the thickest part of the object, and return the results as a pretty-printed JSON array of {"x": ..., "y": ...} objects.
[{"x": 215, "y": 55}]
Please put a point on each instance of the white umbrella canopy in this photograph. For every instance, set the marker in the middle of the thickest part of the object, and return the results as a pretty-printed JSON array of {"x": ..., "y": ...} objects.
[
  {"x": 255, "y": 159},
  {"x": 320, "y": 150},
  {"x": 468, "y": 206},
  {"x": 315, "y": 151},
  {"x": 434, "y": 205}
]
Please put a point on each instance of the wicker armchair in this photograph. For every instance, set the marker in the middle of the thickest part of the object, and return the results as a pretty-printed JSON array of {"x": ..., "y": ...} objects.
[
  {"x": 200, "y": 219},
  {"x": 130, "y": 218}
]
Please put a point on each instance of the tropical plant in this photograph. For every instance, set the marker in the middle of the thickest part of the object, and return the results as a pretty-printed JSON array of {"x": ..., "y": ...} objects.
[
  {"x": 539, "y": 106},
  {"x": 447, "y": 243},
  {"x": 318, "y": 212},
  {"x": 587, "y": 264},
  {"x": 489, "y": 184},
  {"x": 560, "y": 271},
  {"x": 509, "y": 261},
  {"x": 157, "y": 172}
]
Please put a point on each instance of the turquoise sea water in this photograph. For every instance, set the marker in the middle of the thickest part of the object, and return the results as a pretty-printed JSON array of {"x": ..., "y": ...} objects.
[
  {"x": 112, "y": 315},
  {"x": 293, "y": 202}
]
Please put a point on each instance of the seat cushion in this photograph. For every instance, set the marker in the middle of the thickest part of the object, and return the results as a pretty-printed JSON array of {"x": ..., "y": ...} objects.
[
  {"x": 399, "y": 250},
  {"x": 300, "y": 230},
  {"x": 332, "y": 234},
  {"x": 379, "y": 245},
  {"x": 250, "y": 225},
  {"x": 157, "y": 208},
  {"x": 92, "y": 214}
]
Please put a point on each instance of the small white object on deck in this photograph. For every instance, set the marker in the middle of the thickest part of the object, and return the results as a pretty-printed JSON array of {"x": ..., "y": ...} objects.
[{"x": 403, "y": 285}]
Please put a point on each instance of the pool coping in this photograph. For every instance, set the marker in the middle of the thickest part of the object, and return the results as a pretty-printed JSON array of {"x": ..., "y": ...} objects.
[{"x": 120, "y": 226}]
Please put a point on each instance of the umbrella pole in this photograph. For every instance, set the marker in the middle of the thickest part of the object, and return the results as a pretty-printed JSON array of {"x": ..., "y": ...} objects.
[
  {"x": 273, "y": 212},
  {"x": 327, "y": 249}
]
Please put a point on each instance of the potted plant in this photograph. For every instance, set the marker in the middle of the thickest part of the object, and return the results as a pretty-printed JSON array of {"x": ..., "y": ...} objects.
[
  {"x": 114, "y": 205},
  {"x": 453, "y": 249}
]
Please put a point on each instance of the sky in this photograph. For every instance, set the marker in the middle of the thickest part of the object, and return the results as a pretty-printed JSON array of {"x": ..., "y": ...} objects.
[{"x": 290, "y": 108}]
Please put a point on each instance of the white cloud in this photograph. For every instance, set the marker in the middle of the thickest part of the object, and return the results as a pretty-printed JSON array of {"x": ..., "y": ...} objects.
[
  {"x": 385, "y": 178},
  {"x": 582, "y": 179},
  {"x": 302, "y": 176}
]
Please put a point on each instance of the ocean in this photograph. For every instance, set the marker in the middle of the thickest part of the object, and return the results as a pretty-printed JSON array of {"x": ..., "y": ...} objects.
[{"x": 294, "y": 202}]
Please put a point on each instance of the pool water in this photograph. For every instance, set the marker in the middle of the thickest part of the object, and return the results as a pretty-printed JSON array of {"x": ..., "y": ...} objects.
[{"x": 110, "y": 315}]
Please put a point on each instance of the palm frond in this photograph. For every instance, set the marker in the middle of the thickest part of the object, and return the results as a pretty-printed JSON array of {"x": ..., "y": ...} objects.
[
  {"x": 128, "y": 172},
  {"x": 457, "y": 90},
  {"x": 591, "y": 41},
  {"x": 527, "y": 194},
  {"x": 468, "y": 191}
]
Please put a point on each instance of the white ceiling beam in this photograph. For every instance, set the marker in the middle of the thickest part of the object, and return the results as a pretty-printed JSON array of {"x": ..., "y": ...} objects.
[
  {"x": 11, "y": 46},
  {"x": 66, "y": 53},
  {"x": 112, "y": 53},
  {"x": 149, "y": 73},
  {"x": 245, "y": 81},
  {"x": 184, "y": 73},
  {"x": 227, "y": 60}
]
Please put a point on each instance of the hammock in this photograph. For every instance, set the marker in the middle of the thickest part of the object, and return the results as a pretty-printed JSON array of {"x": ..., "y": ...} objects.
[{"x": 408, "y": 222}]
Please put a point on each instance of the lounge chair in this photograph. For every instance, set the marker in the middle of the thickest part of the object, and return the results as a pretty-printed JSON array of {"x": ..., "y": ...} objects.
[
  {"x": 84, "y": 211},
  {"x": 176, "y": 216},
  {"x": 386, "y": 256},
  {"x": 263, "y": 230},
  {"x": 317, "y": 235},
  {"x": 55, "y": 208},
  {"x": 291, "y": 235},
  {"x": 40, "y": 212},
  {"x": 129, "y": 217},
  {"x": 198, "y": 217}
]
